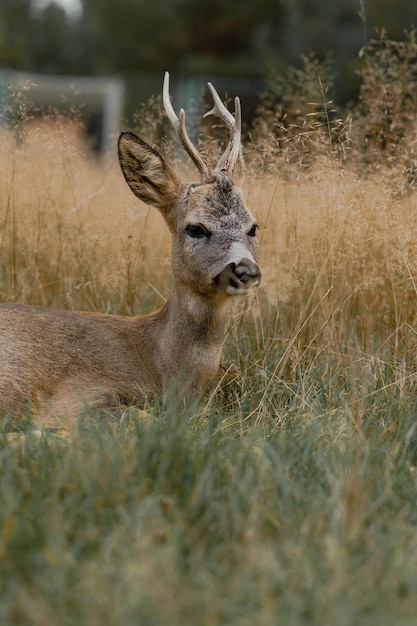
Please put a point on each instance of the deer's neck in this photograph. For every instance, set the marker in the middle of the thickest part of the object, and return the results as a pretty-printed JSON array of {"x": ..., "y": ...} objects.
[
  {"x": 202, "y": 318},
  {"x": 192, "y": 337}
]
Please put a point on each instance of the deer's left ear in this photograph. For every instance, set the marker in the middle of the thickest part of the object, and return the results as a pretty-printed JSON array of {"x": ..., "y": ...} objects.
[{"x": 147, "y": 173}]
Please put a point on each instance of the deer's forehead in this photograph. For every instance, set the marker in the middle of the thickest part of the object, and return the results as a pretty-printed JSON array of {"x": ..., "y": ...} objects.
[{"x": 219, "y": 203}]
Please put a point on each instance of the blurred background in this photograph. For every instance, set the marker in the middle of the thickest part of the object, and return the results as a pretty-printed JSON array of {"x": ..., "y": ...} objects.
[{"x": 108, "y": 57}]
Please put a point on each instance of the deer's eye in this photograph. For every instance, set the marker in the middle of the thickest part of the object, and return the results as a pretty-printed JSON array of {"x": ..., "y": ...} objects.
[
  {"x": 197, "y": 231},
  {"x": 252, "y": 232}
]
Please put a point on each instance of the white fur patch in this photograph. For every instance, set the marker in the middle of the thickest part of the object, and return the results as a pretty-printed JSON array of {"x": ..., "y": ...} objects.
[
  {"x": 240, "y": 291},
  {"x": 237, "y": 252}
]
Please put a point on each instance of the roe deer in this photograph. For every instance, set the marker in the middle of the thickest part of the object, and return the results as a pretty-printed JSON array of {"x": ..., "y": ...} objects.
[{"x": 59, "y": 362}]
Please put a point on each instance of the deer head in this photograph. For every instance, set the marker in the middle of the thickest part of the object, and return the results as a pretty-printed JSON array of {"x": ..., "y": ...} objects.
[{"x": 214, "y": 249}]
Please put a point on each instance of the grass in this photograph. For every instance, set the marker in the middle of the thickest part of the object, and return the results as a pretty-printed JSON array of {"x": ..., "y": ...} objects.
[
  {"x": 187, "y": 520},
  {"x": 289, "y": 495}
]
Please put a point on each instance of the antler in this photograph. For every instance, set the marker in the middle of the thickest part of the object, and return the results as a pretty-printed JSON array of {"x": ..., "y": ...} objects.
[
  {"x": 229, "y": 159},
  {"x": 179, "y": 124},
  {"x": 234, "y": 125}
]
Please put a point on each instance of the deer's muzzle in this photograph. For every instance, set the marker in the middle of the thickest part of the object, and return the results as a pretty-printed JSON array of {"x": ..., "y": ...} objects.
[{"x": 240, "y": 278}]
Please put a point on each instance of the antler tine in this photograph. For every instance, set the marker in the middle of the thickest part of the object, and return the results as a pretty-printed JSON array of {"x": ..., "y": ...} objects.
[
  {"x": 234, "y": 125},
  {"x": 179, "y": 125}
]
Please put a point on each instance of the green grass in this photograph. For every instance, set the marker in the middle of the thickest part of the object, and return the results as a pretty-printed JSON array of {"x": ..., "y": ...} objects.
[{"x": 180, "y": 519}]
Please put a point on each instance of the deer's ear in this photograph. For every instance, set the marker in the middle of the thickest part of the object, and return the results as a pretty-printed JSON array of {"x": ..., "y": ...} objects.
[{"x": 147, "y": 173}]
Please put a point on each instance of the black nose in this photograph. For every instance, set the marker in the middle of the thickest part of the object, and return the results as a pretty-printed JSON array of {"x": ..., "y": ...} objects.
[
  {"x": 246, "y": 271},
  {"x": 239, "y": 278}
]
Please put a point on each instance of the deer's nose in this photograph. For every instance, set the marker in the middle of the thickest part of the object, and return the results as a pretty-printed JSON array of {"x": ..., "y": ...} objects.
[
  {"x": 248, "y": 271},
  {"x": 239, "y": 278}
]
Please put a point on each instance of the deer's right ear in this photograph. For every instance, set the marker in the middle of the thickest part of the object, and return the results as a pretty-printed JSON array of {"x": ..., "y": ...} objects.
[{"x": 147, "y": 173}]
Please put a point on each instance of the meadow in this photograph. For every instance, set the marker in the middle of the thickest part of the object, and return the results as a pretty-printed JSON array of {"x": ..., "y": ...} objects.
[{"x": 289, "y": 495}]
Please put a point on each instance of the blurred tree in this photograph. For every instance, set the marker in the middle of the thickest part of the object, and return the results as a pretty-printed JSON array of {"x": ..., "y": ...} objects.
[
  {"x": 188, "y": 35},
  {"x": 53, "y": 42},
  {"x": 129, "y": 36},
  {"x": 15, "y": 25},
  {"x": 234, "y": 38},
  {"x": 393, "y": 15},
  {"x": 231, "y": 38}
]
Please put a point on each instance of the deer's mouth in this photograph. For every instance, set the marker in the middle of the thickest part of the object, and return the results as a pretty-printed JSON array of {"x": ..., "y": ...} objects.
[{"x": 239, "y": 279}]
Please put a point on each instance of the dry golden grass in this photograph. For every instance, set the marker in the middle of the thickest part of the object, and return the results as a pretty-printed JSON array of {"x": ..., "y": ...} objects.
[
  {"x": 339, "y": 256},
  {"x": 338, "y": 253},
  {"x": 77, "y": 215},
  {"x": 72, "y": 234}
]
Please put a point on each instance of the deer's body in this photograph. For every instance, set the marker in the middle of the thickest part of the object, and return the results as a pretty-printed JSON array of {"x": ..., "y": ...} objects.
[
  {"x": 62, "y": 361},
  {"x": 90, "y": 359}
]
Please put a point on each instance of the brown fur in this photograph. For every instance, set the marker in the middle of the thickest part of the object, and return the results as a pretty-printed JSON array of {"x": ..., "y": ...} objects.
[{"x": 59, "y": 362}]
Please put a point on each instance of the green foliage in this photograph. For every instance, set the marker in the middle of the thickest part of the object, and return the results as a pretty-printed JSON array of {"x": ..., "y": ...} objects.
[
  {"x": 299, "y": 112},
  {"x": 388, "y": 99},
  {"x": 237, "y": 38}
]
